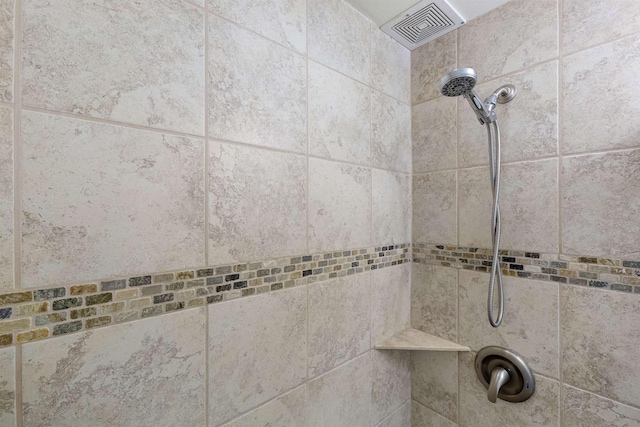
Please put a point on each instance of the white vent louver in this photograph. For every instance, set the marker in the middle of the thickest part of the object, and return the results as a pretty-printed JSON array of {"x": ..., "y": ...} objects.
[{"x": 423, "y": 22}]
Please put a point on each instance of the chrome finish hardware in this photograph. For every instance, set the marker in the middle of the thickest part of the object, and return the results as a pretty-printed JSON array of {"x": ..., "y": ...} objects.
[{"x": 504, "y": 374}]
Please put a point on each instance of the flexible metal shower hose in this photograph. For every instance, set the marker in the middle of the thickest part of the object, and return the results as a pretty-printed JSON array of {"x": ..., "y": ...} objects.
[{"x": 496, "y": 273}]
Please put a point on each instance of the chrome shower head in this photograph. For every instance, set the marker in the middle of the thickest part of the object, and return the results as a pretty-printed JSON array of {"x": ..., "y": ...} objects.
[{"x": 458, "y": 82}]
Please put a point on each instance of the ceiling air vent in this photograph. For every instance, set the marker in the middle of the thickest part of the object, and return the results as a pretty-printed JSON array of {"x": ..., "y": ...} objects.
[{"x": 423, "y": 22}]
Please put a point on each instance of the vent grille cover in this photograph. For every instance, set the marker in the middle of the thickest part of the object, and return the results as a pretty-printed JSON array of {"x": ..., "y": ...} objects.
[{"x": 423, "y": 22}]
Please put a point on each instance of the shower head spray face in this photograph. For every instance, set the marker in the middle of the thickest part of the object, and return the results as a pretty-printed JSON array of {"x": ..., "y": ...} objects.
[{"x": 458, "y": 82}]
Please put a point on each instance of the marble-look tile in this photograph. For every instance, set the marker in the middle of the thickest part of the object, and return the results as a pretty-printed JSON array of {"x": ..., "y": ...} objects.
[
  {"x": 283, "y": 21},
  {"x": 101, "y": 201},
  {"x": 339, "y": 206},
  {"x": 605, "y": 73},
  {"x": 528, "y": 124},
  {"x": 433, "y": 131},
  {"x": 342, "y": 397},
  {"x": 600, "y": 192},
  {"x": 289, "y": 410},
  {"x": 590, "y": 22},
  {"x": 257, "y": 89},
  {"x": 155, "y": 377},
  {"x": 7, "y": 387},
  {"x": 542, "y": 409},
  {"x": 257, "y": 204},
  {"x": 400, "y": 418},
  {"x": 532, "y": 29},
  {"x": 434, "y": 208},
  {"x": 339, "y": 321},
  {"x": 434, "y": 300},
  {"x": 431, "y": 62},
  {"x": 390, "y": 66},
  {"x": 583, "y": 409},
  {"x": 339, "y": 116},
  {"x": 434, "y": 381},
  {"x": 391, "y": 382},
  {"x": 528, "y": 206},
  {"x": 252, "y": 360},
  {"x": 391, "y": 207},
  {"x": 600, "y": 342},
  {"x": 525, "y": 300},
  {"x": 390, "y": 133},
  {"x": 390, "y": 301},
  {"x": 421, "y": 416},
  {"x": 6, "y": 199},
  {"x": 340, "y": 38},
  {"x": 7, "y": 31},
  {"x": 100, "y": 59}
]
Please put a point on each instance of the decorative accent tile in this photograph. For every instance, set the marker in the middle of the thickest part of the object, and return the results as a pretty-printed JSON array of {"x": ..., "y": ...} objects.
[
  {"x": 339, "y": 116},
  {"x": 283, "y": 21},
  {"x": 340, "y": 37},
  {"x": 100, "y": 59},
  {"x": 6, "y": 172},
  {"x": 80, "y": 380},
  {"x": 68, "y": 237},
  {"x": 257, "y": 89},
  {"x": 264, "y": 213}
]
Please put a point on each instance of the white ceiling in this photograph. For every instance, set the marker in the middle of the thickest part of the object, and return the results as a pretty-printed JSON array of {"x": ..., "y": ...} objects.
[{"x": 381, "y": 11}]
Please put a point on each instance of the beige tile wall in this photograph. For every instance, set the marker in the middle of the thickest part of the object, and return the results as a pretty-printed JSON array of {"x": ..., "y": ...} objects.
[
  {"x": 159, "y": 135},
  {"x": 571, "y": 142}
]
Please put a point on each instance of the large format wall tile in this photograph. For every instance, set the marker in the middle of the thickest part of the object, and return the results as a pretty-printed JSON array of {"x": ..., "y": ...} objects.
[
  {"x": 434, "y": 381},
  {"x": 600, "y": 342},
  {"x": 528, "y": 206},
  {"x": 607, "y": 74},
  {"x": 433, "y": 130},
  {"x": 257, "y": 204},
  {"x": 400, "y": 418},
  {"x": 542, "y": 409},
  {"x": 590, "y": 22},
  {"x": 6, "y": 199},
  {"x": 289, "y": 410},
  {"x": 391, "y": 382},
  {"x": 342, "y": 398},
  {"x": 339, "y": 321},
  {"x": 390, "y": 66},
  {"x": 434, "y": 208},
  {"x": 532, "y": 29},
  {"x": 100, "y": 59},
  {"x": 391, "y": 207},
  {"x": 434, "y": 300},
  {"x": 429, "y": 63},
  {"x": 339, "y": 116},
  {"x": 525, "y": 300},
  {"x": 600, "y": 204},
  {"x": 7, "y": 31},
  {"x": 390, "y": 133},
  {"x": 528, "y": 124},
  {"x": 7, "y": 387},
  {"x": 257, "y": 351},
  {"x": 339, "y": 206},
  {"x": 582, "y": 409},
  {"x": 390, "y": 301},
  {"x": 283, "y": 21},
  {"x": 257, "y": 89},
  {"x": 101, "y": 200},
  {"x": 421, "y": 416},
  {"x": 155, "y": 377},
  {"x": 340, "y": 38}
]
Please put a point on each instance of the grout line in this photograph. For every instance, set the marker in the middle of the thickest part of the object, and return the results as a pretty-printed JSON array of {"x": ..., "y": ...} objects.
[
  {"x": 308, "y": 139},
  {"x": 560, "y": 95},
  {"x": 17, "y": 150},
  {"x": 18, "y": 385},
  {"x": 370, "y": 165},
  {"x": 207, "y": 196}
]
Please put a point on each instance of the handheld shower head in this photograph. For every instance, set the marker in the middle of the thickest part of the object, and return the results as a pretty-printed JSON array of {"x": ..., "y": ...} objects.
[{"x": 458, "y": 82}]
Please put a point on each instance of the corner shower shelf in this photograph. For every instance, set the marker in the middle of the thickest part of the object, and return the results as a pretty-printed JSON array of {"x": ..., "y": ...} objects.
[{"x": 414, "y": 339}]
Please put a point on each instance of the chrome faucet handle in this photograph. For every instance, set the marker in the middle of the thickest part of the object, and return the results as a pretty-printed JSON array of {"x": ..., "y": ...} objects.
[{"x": 499, "y": 377}]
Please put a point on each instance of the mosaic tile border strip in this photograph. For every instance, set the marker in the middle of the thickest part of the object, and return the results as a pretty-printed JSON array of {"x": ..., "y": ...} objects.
[
  {"x": 32, "y": 315},
  {"x": 604, "y": 273}
]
